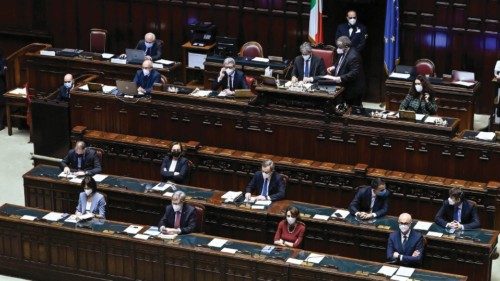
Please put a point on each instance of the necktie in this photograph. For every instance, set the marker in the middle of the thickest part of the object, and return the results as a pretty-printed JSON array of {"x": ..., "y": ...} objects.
[
  {"x": 350, "y": 32},
  {"x": 405, "y": 238},
  {"x": 177, "y": 223},
  {"x": 456, "y": 215},
  {"x": 231, "y": 82},
  {"x": 264, "y": 188},
  {"x": 306, "y": 70},
  {"x": 80, "y": 164},
  {"x": 339, "y": 65},
  {"x": 148, "y": 51}
]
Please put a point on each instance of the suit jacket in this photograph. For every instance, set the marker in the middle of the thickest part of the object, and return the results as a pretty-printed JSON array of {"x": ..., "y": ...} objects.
[
  {"x": 415, "y": 242},
  {"x": 352, "y": 75},
  {"x": 469, "y": 218},
  {"x": 182, "y": 167},
  {"x": 363, "y": 199},
  {"x": 154, "y": 52},
  {"x": 239, "y": 81},
  {"x": 146, "y": 82},
  {"x": 276, "y": 189},
  {"x": 98, "y": 205},
  {"x": 90, "y": 164},
  {"x": 63, "y": 94},
  {"x": 358, "y": 35},
  {"x": 316, "y": 67},
  {"x": 188, "y": 218}
]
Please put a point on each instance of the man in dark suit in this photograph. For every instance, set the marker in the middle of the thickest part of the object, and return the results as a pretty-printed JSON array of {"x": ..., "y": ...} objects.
[
  {"x": 150, "y": 46},
  {"x": 179, "y": 217},
  {"x": 405, "y": 247},
  {"x": 266, "y": 183},
  {"x": 146, "y": 77},
  {"x": 68, "y": 85},
  {"x": 457, "y": 212},
  {"x": 306, "y": 66},
  {"x": 81, "y": 160},
  {"x": 229, "y": 79},
  {"x": 370, "y": 201},
  {"x": 348, "y": 72},
  {"x": 354, "y": 30},
  {"x": 175, "y": 167}
]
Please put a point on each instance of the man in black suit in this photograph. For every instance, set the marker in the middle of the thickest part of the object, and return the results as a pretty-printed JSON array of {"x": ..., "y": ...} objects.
[
  {"x": 354, "y": 30},
  {"x": 306, "y": 66},
  {"x": 81, "y": 160},
  {"x": 405, "y": 246},
  {"x": 179, "y": 217},
  {"x": 150, "y": 46},
  {"x": 370, "y": 201},
  {"x": 175, "y": 167},
  {"x": 348, "y": 72},
  {"x": 146, "y": 77},
  {"x": 457, "y": 212},
  {"x": 64, "y": 90},
  {"x": 229, "y": 79},
  {"x": 268, "y": 184}
]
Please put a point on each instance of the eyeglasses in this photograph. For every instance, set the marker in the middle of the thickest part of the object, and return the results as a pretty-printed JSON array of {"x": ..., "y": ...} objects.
[
  {"x": 405, "y": 223},
  {"x": 351, "y": 18}
]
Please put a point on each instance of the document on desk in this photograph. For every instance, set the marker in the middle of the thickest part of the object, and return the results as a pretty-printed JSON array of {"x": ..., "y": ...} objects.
[
  {"x": 167, "y": 236},
  {"x": 28, "y": 218},
  {"x": 259, "y": 59},
  {"x": 217, "y": 243},
  {"x": 231, "y": 195},
  {"x": 99, "y": 177},
  {"x": 258, "y": 207},
  {"x": 419, "y": 117},
  {"x": 341, "y": 214},
  {"x": 200, "y": 93},
  {"x": 18, "y": 91},
  {"x": 196, "y": 60},
  {"x": 119, "y": 61},
  {"x": 107, "y": 55},
  {"x": 108, "y": 89},
  {"x": 229, "y": 250},
  {"x": 76, "y": 180},
  {"x": 387, "y": 270},
  {"x": 463, "y": 83},
  {"x": 141, "y": 236},
  {"x": 434, "y": 234},
  {"x": 263, "y": 202},
  {"x": 157, "y": 65},
  {"x": 399, "y": 278},
  {"x": 168, "y": 194},
  {"x": 321, "y": 217},
  {"x": 65, "y": 175},
  {"x": 422, "y": 225},
  {"x": 86, "y": 216},
  {"x": 53, "y": 216},
  {"x": 84, "y": 87},
  {"x": 431, "y": 119},
  {"x": 48, "y": 53},
  {"x": 133, "y": 229},
  {"x": 167, "y": 62},
  {"x": 162, "y": 186},
  {"x": 486, "y": 136},
  {"x": 400, "y": 75},
  {"x": 405, "y": 271},
  {"x": 314, "y": 258},
  {"x": 71, "y": 219},
  {"x": 294, "y": 261},
  {"x": 152, "y": 231}
]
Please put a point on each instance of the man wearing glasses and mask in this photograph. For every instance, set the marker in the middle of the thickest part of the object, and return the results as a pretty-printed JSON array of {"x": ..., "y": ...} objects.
[
  {"x": 354, "y": 30},
  {"x": 266, "y": 184},
  {"x": 229, "y": 78}
]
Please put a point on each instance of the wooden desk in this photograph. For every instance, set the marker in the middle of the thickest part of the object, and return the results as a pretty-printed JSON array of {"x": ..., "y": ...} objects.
[
  {"x": 186, "y": 49},
  {"x": 14, "y": 101},
  {"x": 45, "y": 73},
  {"x": 100, "y": 251},
  {"x": 453, "y": 100},
  {"x": 468, "y": 253}
]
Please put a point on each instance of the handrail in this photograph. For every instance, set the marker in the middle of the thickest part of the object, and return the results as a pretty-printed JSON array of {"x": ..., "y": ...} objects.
[{"x": 14, "y": 76}]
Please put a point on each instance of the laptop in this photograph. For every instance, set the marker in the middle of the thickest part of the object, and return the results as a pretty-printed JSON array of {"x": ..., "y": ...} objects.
[
  {"x": 94, "y": 87},
  {"x": 465, "y": 76},
  {"x": 407, "y": 114},
  {"x": 126, "y": 87},
  {"x": 135, "y": 56}
]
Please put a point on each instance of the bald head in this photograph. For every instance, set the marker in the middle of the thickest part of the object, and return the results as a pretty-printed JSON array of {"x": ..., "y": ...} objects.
[
  {"x": 68, "y": 78},
  {"x": 404, "y": 218},
  {"x": 147, "y": 64},
  {"x": 149, "y": 37}
]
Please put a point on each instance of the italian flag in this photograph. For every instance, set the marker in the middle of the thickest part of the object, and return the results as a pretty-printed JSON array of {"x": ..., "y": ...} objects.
[{"x": 316, "y": 22}]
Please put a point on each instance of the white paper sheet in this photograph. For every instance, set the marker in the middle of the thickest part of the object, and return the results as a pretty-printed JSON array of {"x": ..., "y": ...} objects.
[
  {"x": 163, "y": 61},
  {"x": 231, "y": 195},
  {"x": 84, "y": 87},
  {"x": 71, "y": 219},
  {"x": 419, "y": 117},
  {"x": 68, "y": 176},
  {"x": 152, "y": 231},
  {"x": 314, "y": 258},
  {"x": 99, "y": 177},
  {"x": 217, "y": 242},
  {"x": 18, "y": 91},
  {"x": 168, "y": 194},
  {"x": 167, "y": 236},
  {"x": 258, "y": 207},
  {"x": 229, "y": 250},
  {"x": 48, "y": 53},
  {"x": 422, "y": 225},
  {"x": 86, "y": 216},
  {"x": 107, "y": 55},
  {"x": 294, "y": 261},
  {"x": 133, "y": 229},
  {"x": 399, "y": 75},
  {"x": 321, "y": 217},
  {"x": 119, "y": 61},
  {"x": 53, "y": 216},
  {"x": 405, "y": 271},
  {"x": 263, "y": 202},
  {"x": 196, "y": 60},
  {"x": 259, "y": 59},
  {"x": 108, "y": 89},
  {"x": 399, "y": 278},
  {"x": 343, "y": 213},
  {"x": 431, "y": 119},
  {"x": 488, "y": 136},
  {"x": 463, "y": 83},
  {"x": 162, "y": 186},
  {"x": 157, "y": 65},
  {"x": 141, "y": 236},
  {"x": 76, "y": 180},
  {"x": 434, "y": 234},
  {"x": 387, "y": 270},
  {"x": 28, "y": 218}
]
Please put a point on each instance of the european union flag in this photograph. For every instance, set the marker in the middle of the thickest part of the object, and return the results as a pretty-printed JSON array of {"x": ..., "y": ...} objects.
[{"x": 391, "y": 36}]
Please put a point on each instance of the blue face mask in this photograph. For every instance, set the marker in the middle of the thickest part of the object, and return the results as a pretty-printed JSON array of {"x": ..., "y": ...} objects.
[
  {"x": 68, "y": 84},
  {"x": 148, "y": 45},
  {"x": 383, "y": 193}
]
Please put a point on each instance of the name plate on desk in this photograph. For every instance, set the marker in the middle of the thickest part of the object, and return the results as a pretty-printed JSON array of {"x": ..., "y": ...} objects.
[
  {"x": 119, "y": 61},
  {"x": 157, "y": 65},
  {"x": 48, "y": 53}
]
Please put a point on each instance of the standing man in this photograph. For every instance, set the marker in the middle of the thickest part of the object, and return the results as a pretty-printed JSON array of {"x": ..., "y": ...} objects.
[{"x": 354, "y": 30}]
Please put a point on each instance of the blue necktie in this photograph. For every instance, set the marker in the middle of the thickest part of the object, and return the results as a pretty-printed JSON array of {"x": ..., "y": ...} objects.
[
  {"x": 456, "y": 216},
  {"x": 306, "y": 71},
  {"x": 264, "y": 188}
]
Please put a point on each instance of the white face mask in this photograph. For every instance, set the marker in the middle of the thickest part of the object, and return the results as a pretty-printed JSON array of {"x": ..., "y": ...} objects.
[
  {"x": 68, "y": 84},
  {"x": 265, "y": 175},
  {"x": 291, "y": 220},
  {"x": 229, "y": 71},
  {"x": 177, "y": 207},
  {"x": 88, "y": 191},
  {"x": 145, "y": 72},
  {"x": 404, "y": 228},
  {"x": 352, "y": 21},
  {"x": 419, "y": 88},
  {"x": 340, "y": 51},
  {"x": 306, "y": 57},
  {"x": 451, "y": 201},
  {"x": 148, "y": 45}
]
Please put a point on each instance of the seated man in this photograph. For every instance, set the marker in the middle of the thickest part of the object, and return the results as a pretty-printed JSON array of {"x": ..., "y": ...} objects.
[
  {"x": 229, "y": 78},
  {"x": 457, "y": 212},
  {"x": 150, "y": 46},
  {"x": 266, "y": 183},
  {"x": 370, "y": 201},
  {"x": 179, "y": 218},
  {"x": 81, "y": 160},
  {"x": 66, "y": 88},
  {"x": 306, "y": 66},
  {"x": 146, "y": 77},
  {"x": 405, "y": 247},
  {"x": 175, "y": 167}
]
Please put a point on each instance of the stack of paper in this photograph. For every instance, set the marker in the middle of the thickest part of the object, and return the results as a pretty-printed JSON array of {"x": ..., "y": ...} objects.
[
  {"x": 200, "y": 93},
  {"x": 314, "y": 258},
  {"x": 119, "y": 61},
  {"x": 53, "y": 216},
  {"x": 141, "y": 236},
  {"x": 217, "y": 243},
  {"x": 167, "y": 236},
  {"x": 76, "y": 180},
  {"x": 267, "y": 249},
  {"x": 487, "y": 136},
  {"x": 230, "y": 196},
  {"x": 71, "y": 219},
  {"x": 28, "y": 218},
  {"x": 403, "y": 273},
  {"x": 84, "y": 87},
  {"x": 19, "y": 91},
  {"x": 463, "y": 83},
  {"x": 321, "y": 217},
  {"x": 133, "y": 229},
  {"x": 68, "y": 176},
  {"x": 387, "y": 270},
  {"x": 86, "y": 216},
  {"x": 157, "y": 65},
  {"x": 434, "y": 234}
]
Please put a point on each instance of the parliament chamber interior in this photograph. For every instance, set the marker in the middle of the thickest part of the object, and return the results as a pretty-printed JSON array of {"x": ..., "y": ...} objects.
[{"x": 250, "y": 140}]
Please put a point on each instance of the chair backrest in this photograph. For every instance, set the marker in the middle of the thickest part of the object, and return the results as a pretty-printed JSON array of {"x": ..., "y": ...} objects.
[
  {"x": 425, "y": 67},
  {"x": 325, "y": 54},
  {"x": 251, "y": 49},
  {"x": 99, "y": 152},
  {"x": 98, "y": 39},
  {"x": 284, "y": 178},
  {"x": 200, "y": 217}
]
